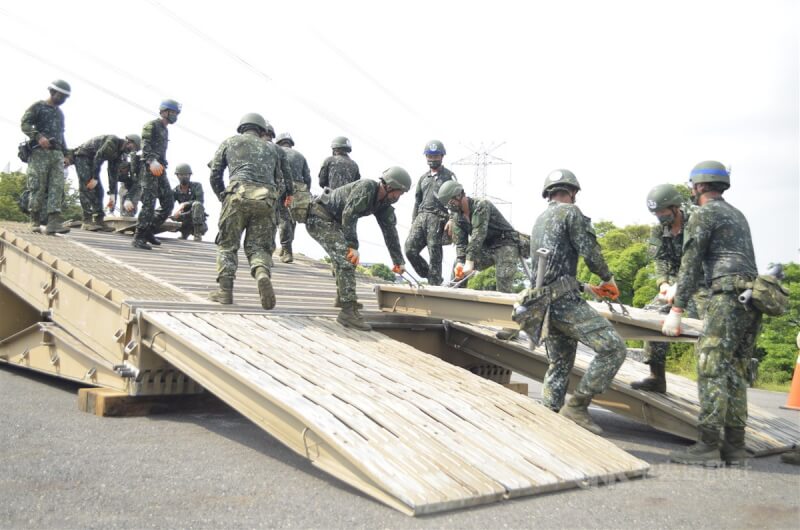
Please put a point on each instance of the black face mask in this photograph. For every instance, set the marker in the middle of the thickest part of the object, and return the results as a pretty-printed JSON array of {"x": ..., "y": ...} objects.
[
  {"x": 666, "y": 220},
  {"x": 172, "y": 118},
  {"x": 434, "y": 164},
  {"x": 184, "y": 180}
]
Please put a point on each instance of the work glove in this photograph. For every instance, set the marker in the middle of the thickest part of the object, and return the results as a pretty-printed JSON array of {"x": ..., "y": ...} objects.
[
  {"x": 352, "y": 256},
  {"x": 591, "y": 290},
  {"x": 128, "y": 205},
  {"x": 672, "y": 324},
  {"x": 287, "y": 202},
  {"x": 398, "y": 269},
  {"x": 666, "y": 292},
  {"x": 469, "y": 267},
  {"x": 156, "y": 168},
  {"x": 111, "y": 203},
  {"x": 458, "y": 270},
  {"x": 607, "y": 289},
  {"x": 670, "y": 294},
  {"x": 91, "y": 184}
]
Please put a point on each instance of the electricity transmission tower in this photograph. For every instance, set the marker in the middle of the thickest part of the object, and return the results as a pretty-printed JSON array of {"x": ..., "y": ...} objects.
[{"x": 481, "y": 158}]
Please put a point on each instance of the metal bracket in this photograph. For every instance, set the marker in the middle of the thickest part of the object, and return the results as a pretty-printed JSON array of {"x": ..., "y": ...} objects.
[
  {"x": 54, "y": 359},
  {"x": 91, "y": 373},
  {"x": 119, "y": 335}
]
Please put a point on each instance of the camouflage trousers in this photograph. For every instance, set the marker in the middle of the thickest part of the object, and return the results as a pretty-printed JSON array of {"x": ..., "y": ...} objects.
[
  {"x": 193, "y": 220},
  {"x": 330, "y": 235},
  {"x": 505, "y": 259},
  {"x": 286, "y": 225},
  {"x": 91, "y": 200},
  {"x": 426, "y": 231},
  {"x": 254, "y": 215},
  {"x": 46, "y": 183},
  {"x": 154, "y": 188},
  {"x": 656, "y": 352},
  {"x": 723, "y": 353},
  {"x": 572, "y": 320}
]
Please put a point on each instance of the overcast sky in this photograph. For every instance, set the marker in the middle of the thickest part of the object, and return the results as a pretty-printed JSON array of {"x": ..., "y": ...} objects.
[{"x": 627, "y": 95}]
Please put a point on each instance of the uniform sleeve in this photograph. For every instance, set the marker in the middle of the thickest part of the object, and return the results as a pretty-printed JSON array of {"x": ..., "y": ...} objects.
[
  {"x": 199, "y": 195},
  {"x": 480, "y": 227},
  {"x": 108, "y": 151},
  {"x": 285, "y": 188},
  {"x": 661, "y": 265},
  {"x": 584, "y": 240},
  {"x": 28, "y": 122},
  {"x": 358, "y": 173},
  {"x": 695, "y": 244},
  {"x": 306, "y": 174},
  {"x": 388, "y": 223},
  {"x": 417, "y": 199},
  {"x": 114, "y": 168},
  {"x": 323, "y": 175},
  {"x": 148, "y": 153},
  {"x": 460, "y": 235},
  {"x": 218, "y": 165},
  {"x": 357, "y": 204}
]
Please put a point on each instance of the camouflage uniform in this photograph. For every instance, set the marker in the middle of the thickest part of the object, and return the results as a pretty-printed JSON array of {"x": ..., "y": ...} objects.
[
  {"x": 45, "y": 166},
  {"x": 248, "y": 202},
  {"x": 666, "y": 251},
  {"x": 332, "y": 222},
  {"x": 89, "y": 158},
  {"x": 130, "y": 171},
  {"x": 155, "y": 138},
  {"x": 193, "y": 214},
  {"x": 301, "y": 178},
  {"x": 568, "y": 234},
  {"x": 718, "y": 243},
  {"x": 487, "y": 239},
  {"x": 338, "y": 170},
  {"x": 427, "y": 226}
]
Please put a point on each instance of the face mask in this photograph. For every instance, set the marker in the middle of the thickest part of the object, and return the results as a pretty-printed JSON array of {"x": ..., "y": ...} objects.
[
  {"x": 183, "y": 180},
  {"x": 666, "y": 220},
  {"x": 434, "y": 164},
  {"x": 172, "y": 118}
]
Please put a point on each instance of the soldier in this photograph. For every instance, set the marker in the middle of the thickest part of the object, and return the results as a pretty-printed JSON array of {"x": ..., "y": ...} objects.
[
  {"x": 666, "y": 249},
  {"x": 338, "y": 169},
  {"x": 248, "y": 205},
  {"x": 332, "y": 221},
  {"x": 567, "y": 234},
  {"x": 429, "y": 216},
  {"x": 43, "y": 123},
  {"x": 482, "y": 236},
  {"x": 190, "y": 211},
  {"x": 717, "y": 244},
  {"x": 301, "y": 181},
  {"x": 129, "y": 173},
  {"x": 89, "y": 158},
  {"x": 153, "y": 180}
]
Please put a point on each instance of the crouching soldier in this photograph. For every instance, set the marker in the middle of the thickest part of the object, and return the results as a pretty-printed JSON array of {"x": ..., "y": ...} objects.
[{"x": 190, "y": 211}]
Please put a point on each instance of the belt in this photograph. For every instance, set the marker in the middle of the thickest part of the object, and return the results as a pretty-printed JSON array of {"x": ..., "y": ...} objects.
[
  {"x": 731, "y": 284},
  {"x": 563, "y": 285}
]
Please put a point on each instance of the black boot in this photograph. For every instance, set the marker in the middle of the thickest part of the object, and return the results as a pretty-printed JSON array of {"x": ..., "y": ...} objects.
[
  {"x": 733, "y": 449},
  {"x": 657, "y": 382},
  {"x": 349, "y": 317},
  {"x": 265, "y": 291},
  {"x": 704, "y": 453},
  {"x": 99, "y": 222},
  {"x": 55, "y": 225},
  {"x": 150, "y": 238},
  {"x": 141, "y": 243}
]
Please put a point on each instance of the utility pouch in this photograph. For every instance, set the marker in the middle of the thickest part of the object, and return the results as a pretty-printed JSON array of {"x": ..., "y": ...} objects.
[
  {"x": 24, "y": 151},
  {"x": 769, "y": 296},
  {"x": 532, "y": 312},
  {"x": 301, "y": 202}
]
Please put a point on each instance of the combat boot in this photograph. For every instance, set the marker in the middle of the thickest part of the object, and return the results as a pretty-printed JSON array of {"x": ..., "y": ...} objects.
[
  {"x": 224, "y": 293},
  {"x": 349, "y": 317},
  {"x": 657, "y": 382},
  {"x": 36, "y": 226},
  {"x": 733, "y": 451},
  {"x": 88, "y": 224},
  {"x": 265, "y": 290},
  {"x": 791, "y": 457},
  {"x": 151, "y": 238},
  {"x": 141, "y": 243},
  {"x": 704, "y": 453},
  {"x": 577, "y": 410},
  {"x": 197, "y": 237},
  {"x": 55, "y": 225},
  {"x": 99, "y": 221},
  {"x": 286, "y": 255},
  {"x": 338, "y": 303},
  {"x": 507, "y": 334}
]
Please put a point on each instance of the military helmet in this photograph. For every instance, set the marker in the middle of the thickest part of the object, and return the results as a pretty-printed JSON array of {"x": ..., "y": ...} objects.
[
  {"x": 59, "y": 85},
  {"x": 135, "y": 139},
  {"x": 270, "y": 129},
  {"x": 449, "y": 191},
  {"x": 434, "y": 147},
  {"x": 663, "y": 196},
  {"x": 560, "y": 179},
  {"x": 710, "y": 171},
  {"x": 252, "y": 118},
  {"x": 397, "y": 178},
  {"x": 341, "y": 142},
  {"x": 170, "y": 104},
  {"x": 183, "y": 169},
  {"x": 285, "y": 137}
]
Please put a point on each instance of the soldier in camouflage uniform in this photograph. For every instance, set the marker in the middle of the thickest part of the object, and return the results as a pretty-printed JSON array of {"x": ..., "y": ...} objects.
[
  {"x": 248, "y": 205},
  {"x": 129, "y": 172},
  {"x": 153, "y": 180},
  {"x": 190, "y": 211},
  {"x": 717, "y": 243},
  {"x": 89, "y": 158},
  {"x": 301, "y": 180},
  {"x": 666, "y": 249},
  {"x": 482, "y": 236},
  {"x": 332, "y": 221},
  {"x": 567, "y": 234},
  {"x": 338, "y": 169},
  {"x": 43, "y": 123},
  {"x": 429, "y": 216}
]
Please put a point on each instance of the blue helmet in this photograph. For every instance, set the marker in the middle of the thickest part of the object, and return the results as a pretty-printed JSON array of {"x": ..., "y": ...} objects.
[
  {"x": 170, "y": 104},
  {"x": 435, "y": 147}
]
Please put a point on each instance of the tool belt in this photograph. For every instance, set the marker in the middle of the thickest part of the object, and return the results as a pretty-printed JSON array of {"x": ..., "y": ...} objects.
[
  {"x": 533, "y": 312},
  {"x": 301, "y": 202},
  {"x": 731, "y": 284}
]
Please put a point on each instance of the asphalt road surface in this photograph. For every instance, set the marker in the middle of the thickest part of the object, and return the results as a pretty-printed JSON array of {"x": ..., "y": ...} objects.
[{"x": 61, "y": 468}]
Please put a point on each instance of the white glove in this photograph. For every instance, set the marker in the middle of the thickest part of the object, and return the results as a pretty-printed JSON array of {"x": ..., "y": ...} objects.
[
  {"x": 672, "y": 324},
  {"x": 669, "y": 296},
  {"x": 128, "y": 205},
  {"x": 588, "y": 288},
  {"x": 469, "y": 267},
  {"x": 156, "y": 168}
]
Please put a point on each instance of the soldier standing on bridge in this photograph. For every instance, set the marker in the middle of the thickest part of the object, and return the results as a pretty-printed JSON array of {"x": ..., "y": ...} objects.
[
  {"x": 429, "y": 216},
  {"x": 567, "y": 234},
  {"x": 43, "y": 123},
  {"x": 338, "y": 169},
  {"x": 332, "y": 221},
  {"x": 717, "y": 246},
  {"x": 190, "y": 211},
  {"x": 301, "y": 181},
  {"x": 248, "y": 205}
]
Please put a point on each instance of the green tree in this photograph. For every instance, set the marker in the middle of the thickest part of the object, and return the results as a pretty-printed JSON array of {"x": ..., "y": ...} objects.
[
  {"x": 485, "y": 280},
  {"x": 776, "y": 344},
  {"x": 13, "y": 184},
  {"x": 379, "y": 270}
]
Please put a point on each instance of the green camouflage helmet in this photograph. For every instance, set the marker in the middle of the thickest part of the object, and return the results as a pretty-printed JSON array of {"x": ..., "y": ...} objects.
[
  {"x": 341, "y": 142},
  {"x": 135, "y": 139},
  {"x": 397, "y": 178},
  {"x": 59, "y": 85},
  {"x": 252, "y": 118},
  {"x": 270, "y": 129},
  {"x": 663, "y": 196},
  {"x": 286, "y": 138},
  {"x": 560, "y": 179},
  {"x": 449, "y": 191},
  {"x": 183, "y": 169},
  {"x": 434, "y": 147},
  {"x": 710, "y": 171}
]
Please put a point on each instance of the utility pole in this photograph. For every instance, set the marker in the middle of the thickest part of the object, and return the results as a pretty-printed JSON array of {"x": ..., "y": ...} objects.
[{"x": 481, "y": 158}]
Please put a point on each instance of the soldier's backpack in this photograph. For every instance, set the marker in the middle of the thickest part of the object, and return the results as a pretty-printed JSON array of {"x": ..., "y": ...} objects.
[
  {"x": 769, "y": 296},
  {"x": 301, "y": 202}
]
